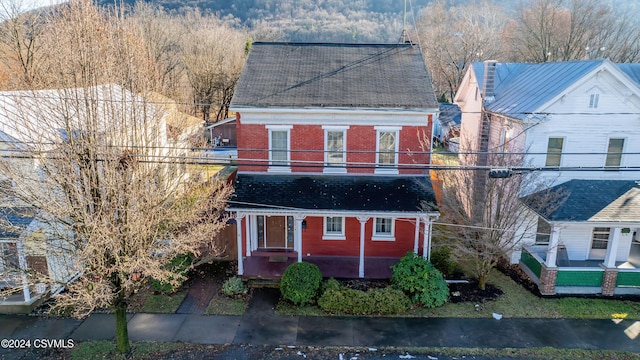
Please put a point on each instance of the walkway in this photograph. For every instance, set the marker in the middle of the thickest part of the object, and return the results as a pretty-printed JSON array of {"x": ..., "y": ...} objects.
[{"x": 260, "y": 326}]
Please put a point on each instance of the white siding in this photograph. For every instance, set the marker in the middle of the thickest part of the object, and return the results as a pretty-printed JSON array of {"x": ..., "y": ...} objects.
[
  {"x": 588, "y": 130},
  {"x": 577, "y": 240}
]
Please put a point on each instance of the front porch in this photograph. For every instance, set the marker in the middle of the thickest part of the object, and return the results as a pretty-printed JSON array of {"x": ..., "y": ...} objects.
[
  {"x": 581, "y": 276},
  {"x": 271, "y": 265}
]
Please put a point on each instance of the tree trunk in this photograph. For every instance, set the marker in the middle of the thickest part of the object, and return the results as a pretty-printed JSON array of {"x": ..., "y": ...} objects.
[
  {"x": 482, "y": 281},
  {"x": 122, "y": 332}
]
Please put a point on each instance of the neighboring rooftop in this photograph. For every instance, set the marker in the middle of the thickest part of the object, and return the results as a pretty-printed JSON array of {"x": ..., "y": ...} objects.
[
  {"x": 591, "y": 200},
  {"x": 335, "y": 193},
  {"x": 306, "y": 75},
  {"x": 450, "y": 114},
  {"x": 521, "y": 88}
]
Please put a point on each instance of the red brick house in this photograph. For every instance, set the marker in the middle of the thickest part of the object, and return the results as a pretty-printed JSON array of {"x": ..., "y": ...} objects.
[{"x": 332, "y": 161}]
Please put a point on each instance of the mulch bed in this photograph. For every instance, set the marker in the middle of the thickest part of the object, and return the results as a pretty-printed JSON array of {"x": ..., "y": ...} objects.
[
  {"x": 520, "y": 277},
  {"x": 470, "y": 292}
]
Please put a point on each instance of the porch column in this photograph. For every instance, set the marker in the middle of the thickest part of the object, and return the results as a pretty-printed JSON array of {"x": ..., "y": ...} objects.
[
  {"x": 363, "y": 221},
  {"x": 552, "y": 249},
  {"x": 22, "y": 262},
  {"x": 248, "y": 235},
  {"x": 253, "y": 220},
  {"x": 417, "y": 236},
  {"x": 239, "y": 218},
  {"x": 612, "y": 248},
  {"x": 297, "y": 235},
  {"x": 426, "y": 242}
]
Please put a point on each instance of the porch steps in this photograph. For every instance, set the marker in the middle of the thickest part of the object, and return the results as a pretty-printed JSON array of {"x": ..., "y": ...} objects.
[{"x": 264, "y": 283}]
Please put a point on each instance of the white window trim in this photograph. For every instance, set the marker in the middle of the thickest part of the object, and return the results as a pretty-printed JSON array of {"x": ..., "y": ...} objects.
[
  {"x": 391, "y": 170},
  {"x": 332, "y": 236},
  {"x": 384, "y": 237},
  {"x": 594, "y": 100},
  {"x": 564, "y": 144},
  {"x": 287, "y": 128},
  {"x": 329, "y": 169},
  {"x": 606, "y": 152}
]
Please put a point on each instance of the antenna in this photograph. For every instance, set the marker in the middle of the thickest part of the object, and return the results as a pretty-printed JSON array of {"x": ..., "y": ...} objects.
[{"x": 404, "y": 37}]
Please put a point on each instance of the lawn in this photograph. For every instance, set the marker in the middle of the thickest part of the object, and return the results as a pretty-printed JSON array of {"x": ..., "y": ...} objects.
[
  {"x": 224, "y": 305},
  {"x": 146, "y": 301},
  {"x": 155, "y": 350}
]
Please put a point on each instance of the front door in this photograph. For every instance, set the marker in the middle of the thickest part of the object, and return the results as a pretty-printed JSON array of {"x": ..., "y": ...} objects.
[{"x": 276, "y": 232}]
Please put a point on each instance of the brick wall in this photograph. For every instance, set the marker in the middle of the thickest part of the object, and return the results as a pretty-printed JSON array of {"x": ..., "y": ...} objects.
[
  {"x": 253, "y": 143},
  {"x": 312, "y": 242},
  {"x": 609, "y": 281},
  {"x": 548, "y": 277}
]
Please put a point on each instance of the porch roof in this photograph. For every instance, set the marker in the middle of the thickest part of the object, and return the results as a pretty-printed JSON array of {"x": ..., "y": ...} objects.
[
  {"x": 401, "y": 194},
  {"x": 13, "y": 222},
  {"x": 592, "y": 201}
]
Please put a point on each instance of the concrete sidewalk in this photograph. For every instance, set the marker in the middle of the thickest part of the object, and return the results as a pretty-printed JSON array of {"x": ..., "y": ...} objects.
[
  {"x": 348, "y": 331},
  {"x": 259, "y": 326}
]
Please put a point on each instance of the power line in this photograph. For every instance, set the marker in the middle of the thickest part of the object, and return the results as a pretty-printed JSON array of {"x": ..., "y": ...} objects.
[{"x": 153, "y": 102}]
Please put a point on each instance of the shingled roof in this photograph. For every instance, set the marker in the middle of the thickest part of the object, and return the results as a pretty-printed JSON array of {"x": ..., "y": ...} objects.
[
  {"x": 305, "y": 75},
  {"x": 593, "y": 200},
  {"x": 333, "y": 193}
]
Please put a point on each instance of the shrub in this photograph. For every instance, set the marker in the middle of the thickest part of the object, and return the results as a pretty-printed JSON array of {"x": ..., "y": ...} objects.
[
  {"x": 300, "y": 282},
  {"x": 441, "y": 259},
  {"x": 234, "y": 286},
  {"x": 330, "y": 284},
  {"x": 383, "y": 301},
  {"x": 419, "y": 279},
  {"x": 180, "y": 266}
]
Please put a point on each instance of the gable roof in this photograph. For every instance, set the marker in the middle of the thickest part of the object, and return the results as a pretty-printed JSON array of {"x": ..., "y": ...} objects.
[
  {"x": 333, "y": 193},
  {"x": 308, "y": 75},
  {"x": 522, "y": 88},
  {"x": 594, "y": 201}
]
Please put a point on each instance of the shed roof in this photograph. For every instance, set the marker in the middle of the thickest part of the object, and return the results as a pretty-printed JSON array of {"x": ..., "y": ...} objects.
[
  {"x": 310, "y": 75},
  {"x": 341, "y": 193}
]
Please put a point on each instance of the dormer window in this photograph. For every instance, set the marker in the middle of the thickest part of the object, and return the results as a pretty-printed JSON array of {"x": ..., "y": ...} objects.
[{"x": 593, "y": 100}]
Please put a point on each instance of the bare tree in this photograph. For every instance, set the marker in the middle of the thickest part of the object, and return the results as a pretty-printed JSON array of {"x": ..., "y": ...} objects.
[
  {"x": 563, "y": 30},
  {"x": 485, "y": 219},
  {"x": 116, "y": 204},
  {"x": 20, "y": 35},
  {"x": 454, "y": 37},
  {"x": 213, "y": 57}
]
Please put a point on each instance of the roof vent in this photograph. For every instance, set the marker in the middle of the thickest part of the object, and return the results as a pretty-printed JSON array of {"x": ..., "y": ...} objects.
[{"x": 489, "y": 81}]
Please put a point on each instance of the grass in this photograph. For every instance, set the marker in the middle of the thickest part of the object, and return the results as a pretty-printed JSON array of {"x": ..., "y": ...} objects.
[
  {"x": 139, "y": 350},
  {"x": 582, "y": 308},
  {"x": 224, "y": 305},
  {"x": 149, "y": 302},
  {"x": 154, "y": 350}
]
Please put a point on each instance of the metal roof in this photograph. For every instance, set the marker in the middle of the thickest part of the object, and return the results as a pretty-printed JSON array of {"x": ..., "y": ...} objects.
[
  {"x": 521, "y": 88},
  {"x": 308, "y": 75}
]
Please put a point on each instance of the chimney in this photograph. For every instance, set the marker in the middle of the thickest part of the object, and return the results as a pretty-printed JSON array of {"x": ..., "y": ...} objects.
[{"x": 489, "y": 81}]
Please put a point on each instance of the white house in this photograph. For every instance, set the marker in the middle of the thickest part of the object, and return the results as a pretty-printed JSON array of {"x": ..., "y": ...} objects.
[
  {"x": 578, "y": 124},
  {"x": 34, "y": 122}
]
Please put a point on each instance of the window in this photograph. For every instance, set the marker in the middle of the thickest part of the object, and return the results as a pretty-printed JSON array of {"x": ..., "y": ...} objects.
[
  {"x": 614, "y": 153},
  {"x": 554, "y": 151},
  {"x": 387, "y": 150},
  {"x": 593, "y": 101},
  {"x": 543, "y": 232},
  {"x": 334, "y": 147},
  {"x": 600, "y": 238},
  {"x": 333, "y": 228},
  {"x": 383, "y": 229},
  {"x": 279, "y": 148}
]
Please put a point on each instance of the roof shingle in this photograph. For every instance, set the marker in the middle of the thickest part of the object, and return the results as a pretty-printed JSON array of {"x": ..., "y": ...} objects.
[{"x": 306, "y": 75}]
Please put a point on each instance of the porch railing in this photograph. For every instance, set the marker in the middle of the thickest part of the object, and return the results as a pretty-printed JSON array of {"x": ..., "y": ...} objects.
[
  {"x": 628, "y": 278},
  {"x": 529, "y": 259},
  {"x": 579, "y": 277}
]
